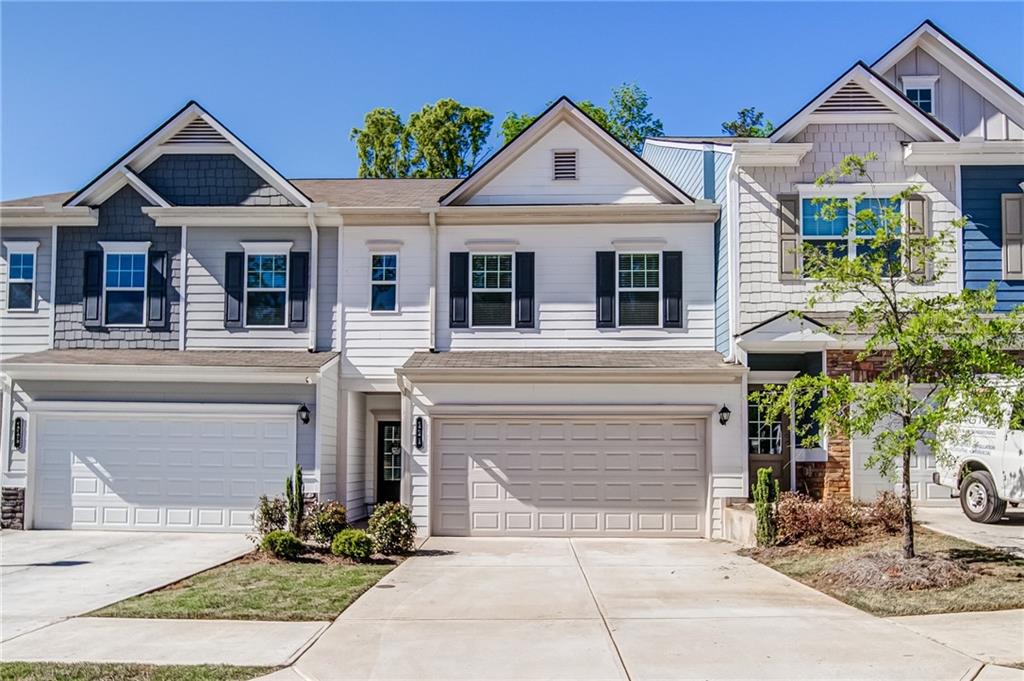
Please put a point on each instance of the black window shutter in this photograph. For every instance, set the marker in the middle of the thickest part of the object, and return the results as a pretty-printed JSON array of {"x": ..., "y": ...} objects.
[
  {"x": 92, "y": 289},
  {"x": 524, "y": 291},
  {"x": 605, "y": 289},
  {"x": 298, "y": 290},
  {"x": 156, "y": 291},
  {"x": 672, "y": 289},
  {"x": 458, "y": 288},
  {"x": 234, "y": 289}
]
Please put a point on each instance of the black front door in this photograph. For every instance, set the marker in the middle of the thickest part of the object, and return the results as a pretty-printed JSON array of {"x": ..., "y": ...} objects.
[{"x": 389, "y": 461}]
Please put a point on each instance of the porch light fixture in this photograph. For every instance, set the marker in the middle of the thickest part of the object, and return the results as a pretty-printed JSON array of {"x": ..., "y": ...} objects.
[
  {"x": 304, "y": 413},
  {"x": 724, "y": 414}
]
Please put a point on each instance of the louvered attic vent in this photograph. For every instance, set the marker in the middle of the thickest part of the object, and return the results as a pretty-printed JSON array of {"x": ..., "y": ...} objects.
[
  {"x": 197, "y": 132},
  {"x": 852, "y": 98},
  {"x": 565, "y": 165}
]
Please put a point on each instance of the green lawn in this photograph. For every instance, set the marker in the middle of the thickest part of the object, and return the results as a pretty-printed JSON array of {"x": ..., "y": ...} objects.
[
  {"x": 257, "y": 589},
  {"x": 999, "y": 585},
  {"x": 80, "y": 671}
]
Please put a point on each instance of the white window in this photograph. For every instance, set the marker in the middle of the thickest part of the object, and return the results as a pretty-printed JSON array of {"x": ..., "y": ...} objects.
[
  {"x": 639, "y": 289},
  {"x": 921, "y": 91},
  {"x": 383, "y": 282},
  {"x": 125, "y": 269},
  {"x": 491, "y": 285},
  {"x": 21, "y": 275},
  {"x": 841, "y": 231},
  {"x": 266, "y": 283}
]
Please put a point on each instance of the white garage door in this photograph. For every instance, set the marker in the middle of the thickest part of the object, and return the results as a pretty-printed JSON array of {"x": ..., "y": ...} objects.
[
  {"x": 569, "y": 477},
  {"x": 159, "y": 471},
  {"x": 868, "y": 482}
]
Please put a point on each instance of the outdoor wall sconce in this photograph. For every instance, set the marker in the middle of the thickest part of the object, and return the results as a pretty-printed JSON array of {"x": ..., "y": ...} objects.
[
  {"x": 304, "y": 413},
  {"x": 724, "y": 414}
]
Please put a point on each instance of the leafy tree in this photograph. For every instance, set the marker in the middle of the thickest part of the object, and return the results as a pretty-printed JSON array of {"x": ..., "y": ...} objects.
[
  {"x": 942, "y": 350},
  {"x": 383, "y": 144},
  {"x": 626, "y": 117},
  {"x": 444, "y": 139},
  {"x": 749, "y": 123}
]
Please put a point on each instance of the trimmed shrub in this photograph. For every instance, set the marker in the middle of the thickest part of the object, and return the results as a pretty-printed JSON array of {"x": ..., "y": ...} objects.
[
  {"x": 295, "y": 502},
  {"x": 887, "y": 513},
  {"x": 832, "y": 522},
  {"x": 392, "y": 528},
  {"x": 354, "y": 544},
  {"x": 282, "y": 544},
  {"x": 766, "y": 493},
  {"x": 325, "y": 520},
  {"x": 270, "y": 515}
]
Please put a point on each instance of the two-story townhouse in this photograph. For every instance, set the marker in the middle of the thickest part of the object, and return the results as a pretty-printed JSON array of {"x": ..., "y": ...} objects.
[
  {"x": 938, "y": 118},
  {"x": 529, "y": 350}
]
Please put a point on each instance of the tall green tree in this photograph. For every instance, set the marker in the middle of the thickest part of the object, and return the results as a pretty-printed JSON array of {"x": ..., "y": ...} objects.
[
  {"x": 626, "y": 117},
  {"x": 944, "y": 352},
  {"x": 749, "y": 123},
  {"x": 444, "y": 139},
  {"x": 384, "y": 145}
]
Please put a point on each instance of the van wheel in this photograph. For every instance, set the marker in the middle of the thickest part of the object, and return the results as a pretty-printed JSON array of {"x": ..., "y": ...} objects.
[{"x": 979, "y": 500}]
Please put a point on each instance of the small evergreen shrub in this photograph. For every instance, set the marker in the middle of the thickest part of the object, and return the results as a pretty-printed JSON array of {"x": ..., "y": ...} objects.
[
  {"x": 354, "y": 544},
  {"x": 766, "y": 493},
  {"x": 392, "y": 528},
  {"x": 282, "y": 544},
  {"x": 295, "y": 502},
  {"x": 887, "y": 513},
  {"x": 270, "y": 515},
  {"x": 326, "y": 520}
]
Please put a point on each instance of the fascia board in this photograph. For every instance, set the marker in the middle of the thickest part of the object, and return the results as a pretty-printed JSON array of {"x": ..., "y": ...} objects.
[
  {"x": 147, "y": 373},
  {"x": 727, "y": 374}
]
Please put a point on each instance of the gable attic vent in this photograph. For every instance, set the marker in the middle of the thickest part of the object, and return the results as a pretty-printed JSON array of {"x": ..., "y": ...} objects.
[
  {"x": 197, "y": 131},
  {"x": 852, "y": 98},
  {"x": 564, "y": 165}
]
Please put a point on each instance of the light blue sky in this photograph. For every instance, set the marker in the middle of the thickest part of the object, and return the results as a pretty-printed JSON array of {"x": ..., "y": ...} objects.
[{"x": 82, "y": 82}]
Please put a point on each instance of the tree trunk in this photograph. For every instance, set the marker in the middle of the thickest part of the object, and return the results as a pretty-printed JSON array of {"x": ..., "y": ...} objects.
[{"x": 908, "y": 514}]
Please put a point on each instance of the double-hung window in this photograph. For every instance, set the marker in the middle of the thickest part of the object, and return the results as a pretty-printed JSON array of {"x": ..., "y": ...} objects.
[
  {"x": 826, "y": 232},
  {"x": 21, "y": 275},
  {"x": 266, "y": 289},
  {"x": 639, "y": 289},
  {"x": 383, "y": 282},
  {"x": 921, "y": 97},
  {"x": 491, "y": 285},
  {"x": 125, "y": 269},
  {"x": 844, "y": 232}
]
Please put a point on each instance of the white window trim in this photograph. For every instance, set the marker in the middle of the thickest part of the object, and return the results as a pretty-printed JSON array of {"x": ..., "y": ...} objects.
[
  {"x": 922, "y": 83},
  {"x": 619, "y": 289},
  {"x": 859, "y": 191},
  {"x": 511, "y": 291},
  {"x": 126, "y": 248},
  {"x": 21, "y": 248},
  {"x": 266, "y": 248},
  {"x": 373, "y": 282}
]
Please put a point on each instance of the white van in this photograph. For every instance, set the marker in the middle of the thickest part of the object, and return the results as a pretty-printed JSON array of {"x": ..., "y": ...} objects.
[{"x": 986, "y": 467}]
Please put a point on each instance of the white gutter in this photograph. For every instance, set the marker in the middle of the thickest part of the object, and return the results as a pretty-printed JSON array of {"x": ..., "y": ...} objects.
[
  {"x": 733, "y": 251},
  {"x": 53, "y": 284},
  {"x": 135, "y": 373},
  {"x": 183, "y": 275},
  {"x": 314, "y": 250},
  {"x": 432, "y": 217}
]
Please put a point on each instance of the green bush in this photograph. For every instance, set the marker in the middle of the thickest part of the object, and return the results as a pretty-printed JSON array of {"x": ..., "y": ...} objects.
[
  {"x": 270, "y": 515},
  {"x": 324, "y": 521},
  {"x": 354, "y": 544},
  {"x": 282, "y": 544},
  {"x": 766, "y": 493},
  {"x": 295, "y": 502},
  {"x": 392, "y": 528}
]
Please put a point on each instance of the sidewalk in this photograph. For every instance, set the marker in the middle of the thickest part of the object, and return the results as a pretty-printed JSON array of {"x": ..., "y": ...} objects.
[
  {"x": 994, "y": 637},
  {"x": 158, "y": 641}
]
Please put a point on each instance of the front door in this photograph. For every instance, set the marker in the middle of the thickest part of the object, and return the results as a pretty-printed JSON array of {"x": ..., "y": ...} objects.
[
  {"x": 389, "y": 461},
  {"x": 768, "y": 445}
]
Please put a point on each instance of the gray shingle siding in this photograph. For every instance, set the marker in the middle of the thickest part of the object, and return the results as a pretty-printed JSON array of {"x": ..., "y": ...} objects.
[
  {"x": 120, "y": 219},
  {"x": 209, "y": 180}
]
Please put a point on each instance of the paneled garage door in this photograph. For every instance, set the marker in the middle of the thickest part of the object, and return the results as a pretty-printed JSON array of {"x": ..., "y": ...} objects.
[
  {"x": 158, "y": 471},
  {"x": 569, "y": 477}
]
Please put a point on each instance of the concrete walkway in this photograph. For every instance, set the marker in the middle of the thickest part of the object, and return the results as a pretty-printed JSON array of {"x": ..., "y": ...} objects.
[
  {"x": 994, "y": 637},
  {"x": 107, "y": 639},
  {"x": 1006, "y": 535},
  {"x": 594, "y": 609},
  {"x": 51, "y": 575}
]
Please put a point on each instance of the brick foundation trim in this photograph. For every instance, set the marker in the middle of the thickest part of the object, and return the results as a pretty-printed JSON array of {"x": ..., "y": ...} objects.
[{"x": 12, "y": 506}]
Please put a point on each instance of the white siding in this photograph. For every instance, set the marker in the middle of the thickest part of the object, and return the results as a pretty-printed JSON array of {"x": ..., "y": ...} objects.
[
  {"x": 564, "y": 282},
  {"x": 26, "y": 331},
  {"x": 959, "y": 106},
  {"x": 15, "y": 466},
  {"x": 205, "y": 290},
  {"x": 379, "y": 407},
  {"x": 354, "y": 414},
  {"x": 327, "y": 425},
  {"x": 762, "y": 294},
  {"x": 529, "y": 178}
]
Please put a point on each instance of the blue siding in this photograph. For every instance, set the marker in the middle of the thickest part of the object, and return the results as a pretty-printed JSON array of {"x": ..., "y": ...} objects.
[
  {"x": 982, "y": 187},
  {"x": 703, "y": 174}
]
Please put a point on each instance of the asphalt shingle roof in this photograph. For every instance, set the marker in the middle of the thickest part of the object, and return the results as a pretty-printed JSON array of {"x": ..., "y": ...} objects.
[{"x": 375, "y": 193}]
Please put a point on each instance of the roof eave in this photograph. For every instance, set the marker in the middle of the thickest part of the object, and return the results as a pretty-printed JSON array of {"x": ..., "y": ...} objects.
[
  {"x": 141, "y": 373},
  {"x": 725, "y": 373}
]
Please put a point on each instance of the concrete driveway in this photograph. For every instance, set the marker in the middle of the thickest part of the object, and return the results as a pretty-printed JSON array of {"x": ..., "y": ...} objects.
[
  {"x": 48, "y": 576},
  {"x": 1007, "y": 534},
  {"x": 609, "y": 609}
]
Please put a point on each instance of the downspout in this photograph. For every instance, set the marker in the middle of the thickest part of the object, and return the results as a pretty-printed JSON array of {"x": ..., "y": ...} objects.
[
  {"x": 314, "y": 248},
  {"x": 432, "y": 218},
  {"x": 339, "y": 301},
  {"x": 183, "y": 276},
  {"x": 53, "y": 284}
]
